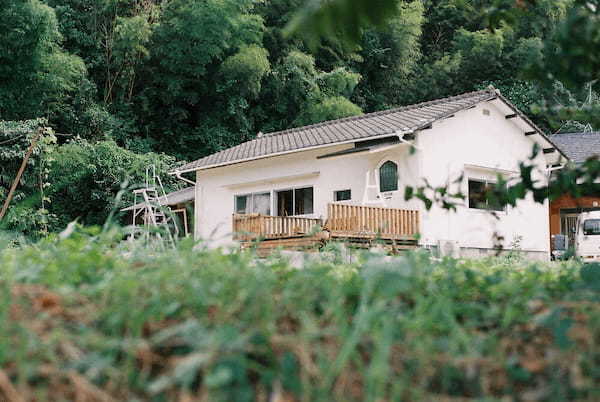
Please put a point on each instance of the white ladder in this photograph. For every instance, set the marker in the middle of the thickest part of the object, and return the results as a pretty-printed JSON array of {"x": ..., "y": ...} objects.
[
  {"x": 155, "y": 215},
  {"x": 375, "y": 186}
]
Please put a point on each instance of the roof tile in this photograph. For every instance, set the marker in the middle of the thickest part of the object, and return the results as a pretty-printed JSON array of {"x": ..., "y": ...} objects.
[{"x": 407, "y": 118}]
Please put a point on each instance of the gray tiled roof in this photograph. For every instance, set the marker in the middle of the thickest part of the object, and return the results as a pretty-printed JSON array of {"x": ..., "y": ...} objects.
[
  {"x": 174, "y": 198},
  {"x": 578, "y": 146},
  {"x": 356, "y": 128}
]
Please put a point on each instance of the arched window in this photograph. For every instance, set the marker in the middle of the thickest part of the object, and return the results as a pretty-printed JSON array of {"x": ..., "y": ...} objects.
[{"x": 388, "y": 177}]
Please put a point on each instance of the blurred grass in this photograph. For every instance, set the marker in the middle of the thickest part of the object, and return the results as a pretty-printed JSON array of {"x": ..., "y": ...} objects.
[{"x": 88, "y": 317}]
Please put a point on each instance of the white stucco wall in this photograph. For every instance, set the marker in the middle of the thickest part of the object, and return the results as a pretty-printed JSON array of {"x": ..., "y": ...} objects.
[
  {"x": 476, "y": 142},
  {"x": 480, "y": 143}
]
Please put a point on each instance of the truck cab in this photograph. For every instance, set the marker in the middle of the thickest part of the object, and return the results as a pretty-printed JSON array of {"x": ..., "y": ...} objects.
[{"x": 588, "y": 237}]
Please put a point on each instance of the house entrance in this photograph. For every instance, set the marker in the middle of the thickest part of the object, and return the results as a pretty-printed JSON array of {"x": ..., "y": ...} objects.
[{"x": 568, "y": 226}]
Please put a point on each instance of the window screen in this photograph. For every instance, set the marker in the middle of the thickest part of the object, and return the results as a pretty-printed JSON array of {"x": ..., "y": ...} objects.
[
  {"x": 342, "y": 195},
  {"x": 388, "y": 177}
]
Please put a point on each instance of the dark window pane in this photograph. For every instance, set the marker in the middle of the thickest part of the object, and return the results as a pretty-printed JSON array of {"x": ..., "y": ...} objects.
[
  {"x": 481, "y": 196},
  {"x": 388, "y": 177},
  {"x": 285, "y": 203},
  {"x": 477, "y": 194},
  {"x": 241, "y": 202},
  {"x": 304, "y": 201},
  {"x": 492, "y": 202},
  {"x": 342, "y": 195}
]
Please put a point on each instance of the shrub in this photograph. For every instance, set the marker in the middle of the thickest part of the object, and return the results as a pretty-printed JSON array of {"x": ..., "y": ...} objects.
[{"x": 94, "y": 318}]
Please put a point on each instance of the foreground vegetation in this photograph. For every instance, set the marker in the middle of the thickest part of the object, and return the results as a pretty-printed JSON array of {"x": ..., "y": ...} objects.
[{"x": 88, "y": 318}]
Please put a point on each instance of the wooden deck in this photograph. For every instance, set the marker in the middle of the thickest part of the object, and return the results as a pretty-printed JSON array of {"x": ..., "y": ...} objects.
[{"x": 360, "y": 226}]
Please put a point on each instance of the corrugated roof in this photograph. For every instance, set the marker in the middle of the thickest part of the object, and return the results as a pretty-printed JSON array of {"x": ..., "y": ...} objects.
[
  {"x": 356, "y": 128},
  {"x": 578, "y": 146},
  {"x": 174, "y": 198}
]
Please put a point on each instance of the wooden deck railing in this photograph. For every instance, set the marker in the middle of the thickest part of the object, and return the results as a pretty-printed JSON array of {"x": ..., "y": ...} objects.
[
  {"x": 348, "y": 221},
  {"x": 252, "y": 226},
  {"x": 363, "y": 221}
]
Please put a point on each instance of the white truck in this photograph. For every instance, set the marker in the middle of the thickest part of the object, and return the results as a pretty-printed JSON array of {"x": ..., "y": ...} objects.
[{"x": 587, "y": 239}]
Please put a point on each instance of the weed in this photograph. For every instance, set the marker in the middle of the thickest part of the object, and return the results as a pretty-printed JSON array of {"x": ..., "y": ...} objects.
[{"x": 85, "y": 316}]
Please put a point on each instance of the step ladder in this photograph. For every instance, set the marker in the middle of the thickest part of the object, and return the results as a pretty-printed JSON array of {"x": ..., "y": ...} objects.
[
  {"x": 372, "y": 187},
  {"x": 157, "y": 217}
]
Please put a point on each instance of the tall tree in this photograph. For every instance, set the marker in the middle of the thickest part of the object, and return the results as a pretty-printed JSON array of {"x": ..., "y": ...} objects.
[{"x": 36, "y": 75}]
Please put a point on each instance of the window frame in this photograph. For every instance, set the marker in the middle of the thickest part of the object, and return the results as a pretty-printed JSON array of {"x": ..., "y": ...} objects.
[
  {"x": 293, "y": 190},
  {"x": 312, "y": 200},
  {"x": 397, "y": 182},
  {"x": 250, "y": 202},
  {"x": 583, "y": 227},
  {"x": 485, "y": 182},
  {"x": 336, "y": 192}
]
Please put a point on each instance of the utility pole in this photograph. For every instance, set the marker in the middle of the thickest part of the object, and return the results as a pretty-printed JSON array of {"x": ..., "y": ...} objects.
[{"x": 34, "y": 142}]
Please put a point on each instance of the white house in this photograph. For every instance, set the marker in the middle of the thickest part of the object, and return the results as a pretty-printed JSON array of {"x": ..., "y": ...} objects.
[{"x": 349, "y": 176}]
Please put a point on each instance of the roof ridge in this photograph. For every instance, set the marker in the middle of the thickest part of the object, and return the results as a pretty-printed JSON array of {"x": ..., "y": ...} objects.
[{"x": 379, "y": 113}]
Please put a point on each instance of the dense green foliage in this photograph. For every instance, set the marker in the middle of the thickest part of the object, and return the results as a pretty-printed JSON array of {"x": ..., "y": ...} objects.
[
  {"x": 79, "y": 179},
  {"x": 187, "y": 78},
  {"x": 86, "y": 177},
  {"x": 87, "y": 318},
  {"x": 29, "y": 215}
]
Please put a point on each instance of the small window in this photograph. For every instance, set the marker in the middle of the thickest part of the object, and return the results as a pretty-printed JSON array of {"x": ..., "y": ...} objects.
[
  {"x": 342, "y": 195},
  {"x": 480, "y": 195},
  {"x": 388, "y": 177}
]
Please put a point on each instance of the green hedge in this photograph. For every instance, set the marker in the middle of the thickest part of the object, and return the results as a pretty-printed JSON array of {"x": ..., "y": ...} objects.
[{"x": 89, "y": 317}]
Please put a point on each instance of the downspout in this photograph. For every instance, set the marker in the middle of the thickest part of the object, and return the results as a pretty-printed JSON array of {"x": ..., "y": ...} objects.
[
  {"x": 400, "y": 135},
  {"x": 178, "y": 175}
]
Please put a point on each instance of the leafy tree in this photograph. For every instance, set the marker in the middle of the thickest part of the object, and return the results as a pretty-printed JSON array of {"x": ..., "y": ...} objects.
[
  {"x": 244, "y": 71},
  {"x": 328, "y": 109},
  {"x": 28, "y": 211},
  {"x": 37, "y": 76},
  {"x": 187, "y": 49},
  {"x": 85, "y": 179},
  {"x": 389, "y": 57},
  {"x": 297, "y": 90}
]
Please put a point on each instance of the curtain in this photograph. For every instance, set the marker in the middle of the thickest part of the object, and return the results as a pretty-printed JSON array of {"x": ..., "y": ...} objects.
[{"x": 261, "y": 203}]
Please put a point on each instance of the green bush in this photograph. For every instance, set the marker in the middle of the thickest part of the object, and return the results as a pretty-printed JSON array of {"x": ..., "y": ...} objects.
[
  {"x": 84, "y": 179},
  {"x": 89, "y": 317}
]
